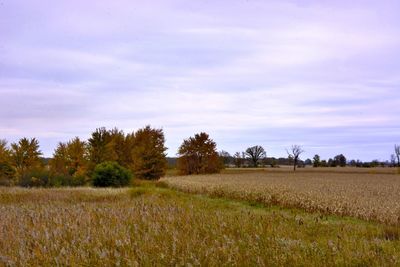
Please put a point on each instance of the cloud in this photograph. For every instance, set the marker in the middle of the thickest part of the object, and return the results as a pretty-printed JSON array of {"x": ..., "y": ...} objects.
[{"x": 325, "y": 75}]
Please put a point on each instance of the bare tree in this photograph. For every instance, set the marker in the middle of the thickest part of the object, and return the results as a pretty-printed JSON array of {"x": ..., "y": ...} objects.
[
  {"x": 255, "y": 153},
  {"x": 397, "y": 154},
  {"x": 294, "y": 153},
  {"x": 238, "y": 159}
]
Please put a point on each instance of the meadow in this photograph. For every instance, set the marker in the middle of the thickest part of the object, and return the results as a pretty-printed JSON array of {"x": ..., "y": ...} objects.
[
  {"x": 369, "y": 194},
  {"x": 154, "y": 225}
]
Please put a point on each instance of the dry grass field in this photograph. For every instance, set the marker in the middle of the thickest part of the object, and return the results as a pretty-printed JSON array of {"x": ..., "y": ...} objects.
[
  {"x": 369, "y": 194},
  {"x": 153, "y": 226}
]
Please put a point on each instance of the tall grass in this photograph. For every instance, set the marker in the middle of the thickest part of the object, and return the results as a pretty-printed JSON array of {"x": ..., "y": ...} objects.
[{"x": 162, "y": 227}]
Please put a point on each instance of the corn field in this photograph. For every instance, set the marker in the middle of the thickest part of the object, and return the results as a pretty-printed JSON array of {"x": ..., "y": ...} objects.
[{"x": 369, "y": 196}]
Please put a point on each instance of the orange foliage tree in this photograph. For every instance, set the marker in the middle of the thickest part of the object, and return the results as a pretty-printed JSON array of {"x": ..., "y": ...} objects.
[{"x": 198, "y": 155}]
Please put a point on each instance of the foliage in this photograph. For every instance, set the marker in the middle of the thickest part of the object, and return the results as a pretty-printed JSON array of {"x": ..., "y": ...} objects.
[
  {"x": 316, "y": 161},
  {"x": 149, "y": 154},
  {"x": 70, "y": 163},
  {"x": 255, "y": 154},
  {"x": 7, "y": 174},
  {"x": 198, "y": 155},
  {"x": 340, "y": 160},
  {"x": 25, "y": 156},
  {"x": 111, "y": 174}
]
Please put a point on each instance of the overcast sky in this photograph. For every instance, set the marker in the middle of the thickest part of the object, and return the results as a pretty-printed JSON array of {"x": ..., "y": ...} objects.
[{"x": 322, "y": 74}]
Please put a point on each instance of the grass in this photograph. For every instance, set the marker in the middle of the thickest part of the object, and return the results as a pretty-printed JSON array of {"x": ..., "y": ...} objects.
[
  {"x": 151, "y": 224},
  {"x": 373, "y": 197}
]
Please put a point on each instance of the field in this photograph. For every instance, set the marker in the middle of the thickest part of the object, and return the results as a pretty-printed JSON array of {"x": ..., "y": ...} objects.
[
  {"x": 369, "y": 194},
  {"x": 154, "y": 224}
]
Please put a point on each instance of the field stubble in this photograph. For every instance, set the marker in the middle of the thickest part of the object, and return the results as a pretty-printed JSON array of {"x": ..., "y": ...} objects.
[
  {"x": 151, "y": 226},
  {"x": 371, "y": 195}
]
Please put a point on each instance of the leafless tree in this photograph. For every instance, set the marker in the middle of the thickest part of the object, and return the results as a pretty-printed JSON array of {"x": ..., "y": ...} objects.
[
  {"x": 294, "y": 154},
  {"x": 397, "y": 154},
  {"x": 238, "y": 159},
  {"x": 255, "y": 153}
]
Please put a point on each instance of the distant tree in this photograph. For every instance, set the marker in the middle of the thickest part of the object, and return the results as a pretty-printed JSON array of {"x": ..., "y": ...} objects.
[
  {"x": 225, "y": 158},
  {"x": 149, "y": 157},
  {"x": 332, "y": 163},
  {"x": 316, "y": 161},
  {"x": 353, "y": 163},
  {"x": 374, "y": 163},
  {"x": 294, "y": 153},
  {"x": 111, "y": 174},
  {"x": 392, "y": 160},
  {"x": 238, "y": 159},
  {"x": 198, "y": 155},
  {"x": 397, "y": 154},
  {"x": 308, "y": 162},
  {"x": 255, "y": 154},
  {"x": 25, "y": 156},
  {"x": 340, "y": 160},
  {"x": 324, "y": 163}
]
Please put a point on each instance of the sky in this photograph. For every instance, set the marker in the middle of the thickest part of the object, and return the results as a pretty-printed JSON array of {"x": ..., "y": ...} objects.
[{"x": 321, "y": 74}]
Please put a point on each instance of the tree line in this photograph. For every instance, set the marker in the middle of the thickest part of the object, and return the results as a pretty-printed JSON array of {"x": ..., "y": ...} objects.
[
  {"x": 141, "y": 154},
  {"x": 111, "y": 158}
]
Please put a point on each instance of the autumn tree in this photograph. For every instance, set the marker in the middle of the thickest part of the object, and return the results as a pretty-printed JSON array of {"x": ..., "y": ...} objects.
[
  {"x": 294, "y": 153},
  {"x": 25, "y": 156},
  {"x": 148, "y": 154},
  {"x": 71, "y": 161},
  {"x": 255, "y": 154},
  {"x": 99, "y": 147},
  {"x": 198, "y": 155},
  {"x": 7, "y": 172}
]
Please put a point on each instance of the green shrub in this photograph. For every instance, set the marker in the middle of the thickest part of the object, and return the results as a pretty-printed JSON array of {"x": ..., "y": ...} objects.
[{"x": 111, "y": 174}]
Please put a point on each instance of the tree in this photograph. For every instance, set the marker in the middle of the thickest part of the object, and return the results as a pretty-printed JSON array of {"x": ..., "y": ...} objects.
[
  {"x": 238, "y": 159},
  {"x": 225, "y": 158},
  {"x": 4, "y": 151},
  {"x": 149, "y": 157},
  {"x": 255, "y": 154},
  {"x": 340, "y": 160},
  {"x": 397, "y": 154},
  {"x": 112, "y": 174},
  {"x": 198, "y": 155},
  {"x": 316, "y": 161},
  {"x": 294, "y": 153},
  {"x": 99, "y": 148},
  {"x": 70, "y": 162},
  {"x": 25, "y": 156}
]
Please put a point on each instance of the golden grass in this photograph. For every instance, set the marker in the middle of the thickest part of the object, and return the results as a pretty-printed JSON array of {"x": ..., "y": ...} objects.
[
  {"x": 368, "y": 196},
  {"x": 152, "y": 226}
]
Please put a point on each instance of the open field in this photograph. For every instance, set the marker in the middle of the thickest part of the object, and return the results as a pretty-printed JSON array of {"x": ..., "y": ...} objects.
[
  {"x": 369, "y": 194},
  {"x": 149, "y": 226}
]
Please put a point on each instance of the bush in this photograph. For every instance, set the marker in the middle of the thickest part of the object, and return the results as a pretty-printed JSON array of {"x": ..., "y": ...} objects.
[
  {"x": 112, "y": 174},
  {"x": 36, "y": 178},
  {"x": 7, "y": 174}
]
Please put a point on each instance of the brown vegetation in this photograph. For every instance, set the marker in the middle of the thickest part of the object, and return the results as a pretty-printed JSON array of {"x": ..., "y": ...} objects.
[{"x": 364, "y": 195}]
